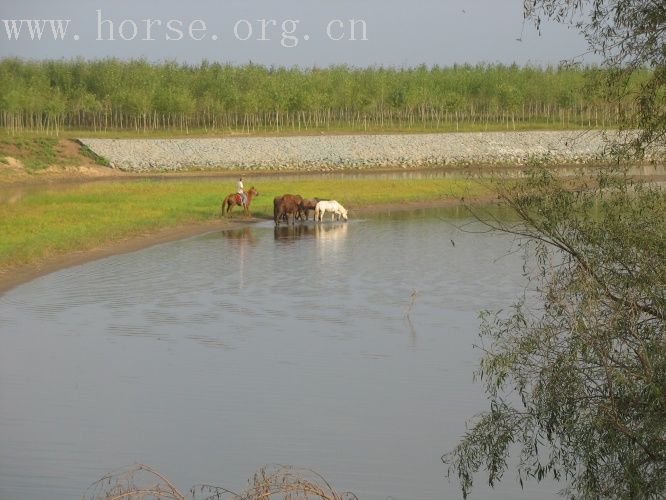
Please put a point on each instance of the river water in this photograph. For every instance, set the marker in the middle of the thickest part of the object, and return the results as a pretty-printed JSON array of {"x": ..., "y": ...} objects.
[{"x": 343, "y": 347}]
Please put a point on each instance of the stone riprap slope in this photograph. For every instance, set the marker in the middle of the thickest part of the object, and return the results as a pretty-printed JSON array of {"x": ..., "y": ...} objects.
[{"x": 332, "y": 152}]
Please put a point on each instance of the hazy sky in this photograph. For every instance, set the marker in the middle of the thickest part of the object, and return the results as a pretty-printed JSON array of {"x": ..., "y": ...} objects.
[{"x": 399, "y": 33}]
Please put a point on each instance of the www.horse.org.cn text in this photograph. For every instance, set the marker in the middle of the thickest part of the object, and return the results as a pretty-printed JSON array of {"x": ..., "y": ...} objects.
[{"x": 288, "y": 33}]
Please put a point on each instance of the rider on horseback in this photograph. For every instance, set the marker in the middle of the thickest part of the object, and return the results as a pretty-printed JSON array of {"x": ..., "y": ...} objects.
[{"x": 241, "y": 192}]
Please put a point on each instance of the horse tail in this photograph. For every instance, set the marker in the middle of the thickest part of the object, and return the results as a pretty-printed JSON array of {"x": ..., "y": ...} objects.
[
  {"x": 225, "y": 202},
  {"x": 277, "y": 203}
]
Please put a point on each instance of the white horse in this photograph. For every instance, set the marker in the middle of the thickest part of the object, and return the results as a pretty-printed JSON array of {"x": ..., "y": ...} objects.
[{"x": 330, "y": 206}]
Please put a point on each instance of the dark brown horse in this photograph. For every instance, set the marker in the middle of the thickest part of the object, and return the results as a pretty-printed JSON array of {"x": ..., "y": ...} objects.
[
  {"x": 286, "y": 205},
  {"x": 307, "y": 205},
  {"x": 235, "y": 199}
]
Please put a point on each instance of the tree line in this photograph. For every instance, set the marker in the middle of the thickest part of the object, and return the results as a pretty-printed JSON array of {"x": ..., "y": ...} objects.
[{"x": 140, "y": 96}]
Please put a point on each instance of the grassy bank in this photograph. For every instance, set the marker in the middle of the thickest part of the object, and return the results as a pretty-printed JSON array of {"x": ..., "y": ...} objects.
[
  {"x": 38, "y": 225},
  {"x": 33, "y": 153}
]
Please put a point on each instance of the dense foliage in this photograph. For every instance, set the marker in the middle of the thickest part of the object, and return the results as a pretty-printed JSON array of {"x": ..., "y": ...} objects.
[
  {"x": 576, "y": 373},
  {"x": 140, "y": 96}
]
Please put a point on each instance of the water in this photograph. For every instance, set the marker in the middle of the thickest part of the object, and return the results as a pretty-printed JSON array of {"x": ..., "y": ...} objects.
[{"x": 346, "y": 348}]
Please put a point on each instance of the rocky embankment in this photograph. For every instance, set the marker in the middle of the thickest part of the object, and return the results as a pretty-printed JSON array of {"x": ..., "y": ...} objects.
[{"x": 335, "y": 152}]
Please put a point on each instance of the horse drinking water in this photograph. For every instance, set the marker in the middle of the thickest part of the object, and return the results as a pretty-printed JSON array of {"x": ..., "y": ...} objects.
[{"x": 332, "y": 206}]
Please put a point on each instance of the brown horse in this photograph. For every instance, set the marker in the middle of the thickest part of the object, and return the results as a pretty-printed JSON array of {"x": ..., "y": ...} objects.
[
  {"x": 235, "y": 199},
  {"x": 307, "y": 205},
  {"x": 286, "y": 205}
]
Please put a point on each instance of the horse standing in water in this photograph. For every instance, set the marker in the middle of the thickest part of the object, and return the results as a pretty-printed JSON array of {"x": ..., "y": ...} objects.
[
  {"x": 332, "y": 206},
  {"x": 307, "y": 205},
  {"x": 235, "y": 199},
  {"x": 286, "y": 205}
]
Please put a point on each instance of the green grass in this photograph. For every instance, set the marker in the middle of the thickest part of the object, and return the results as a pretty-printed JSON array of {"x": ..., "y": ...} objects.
[
  {"x": 35, "y": 152},
  {"x": 56, "y": 221}
]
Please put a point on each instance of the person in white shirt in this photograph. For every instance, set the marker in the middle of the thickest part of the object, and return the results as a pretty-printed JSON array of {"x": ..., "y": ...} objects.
[{"x": 241, "y": 191}]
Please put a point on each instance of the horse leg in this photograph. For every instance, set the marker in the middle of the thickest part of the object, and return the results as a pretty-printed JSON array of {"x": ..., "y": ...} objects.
[{"x": 233, "y": 205}]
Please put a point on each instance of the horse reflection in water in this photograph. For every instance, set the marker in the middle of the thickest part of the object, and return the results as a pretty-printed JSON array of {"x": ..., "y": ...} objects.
[
  {"x": 332, "y": 231},
  {"x": 241, "y": 239}
]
